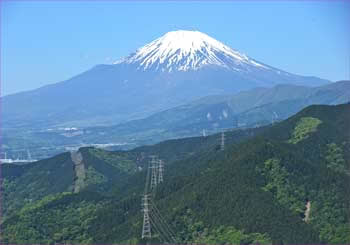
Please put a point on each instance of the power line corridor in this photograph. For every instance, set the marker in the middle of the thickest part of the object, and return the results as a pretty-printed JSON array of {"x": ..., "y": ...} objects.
[{"x": 153, "y": 221}]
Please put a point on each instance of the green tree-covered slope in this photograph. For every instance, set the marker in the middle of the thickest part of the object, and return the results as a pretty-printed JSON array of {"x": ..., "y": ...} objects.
[{"x": 287, "y": 185}]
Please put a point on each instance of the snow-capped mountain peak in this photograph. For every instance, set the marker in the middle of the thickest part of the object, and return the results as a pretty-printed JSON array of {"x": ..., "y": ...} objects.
[{"x": 188, "y": 50}]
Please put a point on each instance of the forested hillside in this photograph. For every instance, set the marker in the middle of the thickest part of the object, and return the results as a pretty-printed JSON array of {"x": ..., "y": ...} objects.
[
  {"x": 286, "y": 185},
  {"x": 105, "y": 170}
]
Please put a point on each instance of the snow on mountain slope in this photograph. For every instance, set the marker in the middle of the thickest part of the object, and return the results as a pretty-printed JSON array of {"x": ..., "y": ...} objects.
[
  {"x": 177, "y": 68},
  {"x": 189, "y": 50}
]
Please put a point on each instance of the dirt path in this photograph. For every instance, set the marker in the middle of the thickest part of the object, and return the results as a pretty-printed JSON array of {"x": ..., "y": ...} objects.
[{"x": 79, "y": 170}]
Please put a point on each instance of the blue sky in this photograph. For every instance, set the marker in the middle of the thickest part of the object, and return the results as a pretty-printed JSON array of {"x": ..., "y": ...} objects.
[{"x": 45, "y": 42}]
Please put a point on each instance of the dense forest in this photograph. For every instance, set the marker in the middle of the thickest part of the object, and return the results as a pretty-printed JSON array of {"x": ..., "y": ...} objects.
[{"x": 286, "y": 183}]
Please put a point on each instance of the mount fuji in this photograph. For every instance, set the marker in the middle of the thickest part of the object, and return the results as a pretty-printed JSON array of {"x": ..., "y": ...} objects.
[
  {"x": 189, "y": 50},
  {"x": 174, "y": 69}
]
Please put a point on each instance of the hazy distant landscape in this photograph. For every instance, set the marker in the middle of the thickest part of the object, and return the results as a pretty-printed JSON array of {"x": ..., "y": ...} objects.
[
  {"x": 211, "y": 114},
  {"x": 182, "y": 139}
]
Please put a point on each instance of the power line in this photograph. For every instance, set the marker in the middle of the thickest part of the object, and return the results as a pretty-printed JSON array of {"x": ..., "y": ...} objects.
[
  {"x": 146, "y": 225},
  {"x": 152, "y": 218},
  {"x": 162, "y": 220},
  {"x": 161, "y": 233}
]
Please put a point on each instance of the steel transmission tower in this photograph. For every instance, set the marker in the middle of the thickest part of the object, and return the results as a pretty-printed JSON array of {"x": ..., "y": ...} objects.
[
  {"x": 160, "y": 170},
  {"x": 153, "y": 221},
  {"x": 154, "y": 171},
  {"x": 222, "y": 146},
  {"x": 146, "y": 227}
]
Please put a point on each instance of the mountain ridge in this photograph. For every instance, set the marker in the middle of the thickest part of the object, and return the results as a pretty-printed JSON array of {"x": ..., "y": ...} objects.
[
  {"x": 121, "y": 92},
  {"x": 256, "y": 107},
  {"x": 253, "y": 192}
]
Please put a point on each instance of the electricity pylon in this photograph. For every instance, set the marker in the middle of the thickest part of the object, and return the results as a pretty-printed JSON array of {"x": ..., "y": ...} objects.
[
  {"x": 146, "y": 227},
  {"x": 154, "y": 171},
  {"x": 222, "y": 146},
  {"x": 153, "y": 221},
  {"x": 160, "y": 171}
]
